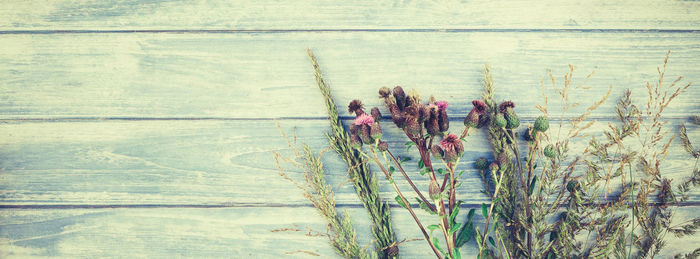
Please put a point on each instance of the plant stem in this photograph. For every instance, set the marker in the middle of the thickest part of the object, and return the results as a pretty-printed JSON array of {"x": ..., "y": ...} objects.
[
  {"x": 405, "y": 202},
  {"x": 403, "y": 172}
]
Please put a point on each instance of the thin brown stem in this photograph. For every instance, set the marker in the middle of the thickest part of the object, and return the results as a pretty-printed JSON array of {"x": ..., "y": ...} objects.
[
  {"x": 408, "y": 207},
  {"x": 403, "y": 172}
]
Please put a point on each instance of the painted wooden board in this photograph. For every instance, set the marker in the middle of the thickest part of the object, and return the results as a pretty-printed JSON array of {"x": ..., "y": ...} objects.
[
  {"x": 346, "y": 15},
  {"x": 204, "y": 162},
  {"x": 262, "y": 75},
  {"x": 208, "y": 233}
]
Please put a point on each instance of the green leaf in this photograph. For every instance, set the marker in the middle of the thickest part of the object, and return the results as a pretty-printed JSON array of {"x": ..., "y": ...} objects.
[
  {"x": 425, "y": 206},
  {"x": 404, "y": 159},
  {"x": 454, "y": 228},
  {"x": 532, "y": 185},
  {"x": 420, "y": 164},
  {"x": 454, "y": 215},
  {"x": 484, "y": 210},
  {"x": 467, "y": 231},
  {"x": 409, "y": 144},
  {"x": 436, "y": 242},
  {"x": 493, "y": 243},
  {"x": 455, "y": 252},
  {"x": 424, "y": 171},
  {"x": 433, "y": 227},
  {"x": 391, "y": 170},
  {"x": 440, "y": 171},
  {"x": 400, "y": 201}
]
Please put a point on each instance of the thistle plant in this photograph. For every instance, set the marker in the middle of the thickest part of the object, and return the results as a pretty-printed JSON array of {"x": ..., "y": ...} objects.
[
  {"x": 547, "y": 199},
  {"x": 426, "y": 125},
  {"x": 554, "y": 202}
]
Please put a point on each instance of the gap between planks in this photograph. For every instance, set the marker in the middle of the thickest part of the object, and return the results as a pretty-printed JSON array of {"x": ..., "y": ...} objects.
[{"x": 451, "y": 30}]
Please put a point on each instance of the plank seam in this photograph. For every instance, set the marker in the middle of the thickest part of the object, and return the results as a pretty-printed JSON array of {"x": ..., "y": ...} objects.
[{"x": 453, "y": 30}]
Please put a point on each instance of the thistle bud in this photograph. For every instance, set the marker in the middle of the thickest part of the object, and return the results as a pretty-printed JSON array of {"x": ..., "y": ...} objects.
[
  {"x": 432, "y": 126},
  {"x": 400, "y": 97},
  {"x": 512, "y": 120},
  {"x": 481, "y": 164},
  {"x": 506, "y": 107},
  {"x": 355, "y": 141},
  {"x": 452, "y": 148},
  {"x": 376, "y": 131},
  {"x": 500, "y": 120},
  {"x": 412, "y": 98},
  {"x": 383, "y": 146},
  {"x": 366, "y": 134},
  {"x": 472, "y": 119},
  {"x": 437, "y": 151},
  {"x": 356, "y": 107},
  {"x": 493, "y": 167},
  {"x": 354, "y": 129},
  {"x": 434, "y": 190},
  {"x": 573, "y": 186},
  {"x": 384, "y": 92},
  {"x": 423, "y": 113},
  {"x": 412, "y": 127},
  {"x": 397, "y": 117},
  {"x": 541, "y": 124},
  {"x": 502, "y": 159},
  {"x": 549, "y": 151},
  {"x": 475, "y": 118},
  {"x": 529, "y": 134},
  {"x": 376, "y": 114},
  {"x": 443, "y": 121}
]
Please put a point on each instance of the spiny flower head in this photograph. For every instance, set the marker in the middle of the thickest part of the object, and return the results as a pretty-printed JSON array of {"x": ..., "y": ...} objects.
[
  {"x": 356, "y": 107},
  {"x": 504, "y": 107},
  {"x": 442, "y": 105},
  {"x": 541, "y": 124},
  {"x": 364, "y": 119},
  {"x": 449, "y": 142},
  {"x": 384, "y": 92},
  {"x": 479, "y": 106}
]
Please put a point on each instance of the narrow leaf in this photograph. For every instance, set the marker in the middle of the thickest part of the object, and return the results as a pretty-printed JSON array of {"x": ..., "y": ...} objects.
[
  {"x": 532, "y": 185},
  {"x": 400, "y": 201},
  {"x": 484, "y": 210}
]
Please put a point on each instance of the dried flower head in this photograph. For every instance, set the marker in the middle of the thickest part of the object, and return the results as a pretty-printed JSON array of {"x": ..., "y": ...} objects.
[
  {"x": 476, "y": 117},
  {"x": 383, "y": 146},
  {"x": 384, "y": 92},
  {"x": 505, "y": 106},
  {"x": 479, "y": 106},
  {"x": 436, "y": 151},
  {"x": 376, "y": 131},
  {"x": 376, "y": 114},
  {"x": 443, "y": 120},
  {"x": 355, "y": 141},
  {"x": 502, "y": 159},
  {"x": 356, "y": 107},
  {"x": 400, "y": 97},
  {"x": 442, "y": 105},
  {"x": 481, "y": 163},
  {"x": 364, "y": 119},
  {"x": 452, "y": 147},
  {"x": 434, "y": 190}
]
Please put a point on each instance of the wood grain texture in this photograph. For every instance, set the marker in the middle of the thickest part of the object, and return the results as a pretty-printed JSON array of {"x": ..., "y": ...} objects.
[
  {"x": 269, "y": 76},
  {"x": 205, "y": 233},
  {"x": 203, "y": 163},
  {"x": 344, "y": 15},
  {"x": 144, "y": 129}
]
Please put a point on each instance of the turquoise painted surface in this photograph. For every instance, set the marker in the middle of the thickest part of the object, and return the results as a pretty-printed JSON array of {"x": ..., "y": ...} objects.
[{"x": 144, "y": 128}]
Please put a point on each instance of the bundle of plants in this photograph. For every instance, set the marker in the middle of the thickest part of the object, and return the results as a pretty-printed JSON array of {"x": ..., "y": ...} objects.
[{"x": 611, "y": 198}]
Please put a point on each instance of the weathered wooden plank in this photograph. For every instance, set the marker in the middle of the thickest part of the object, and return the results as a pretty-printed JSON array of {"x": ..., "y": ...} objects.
[
  {"x": 197, "y": 162},
  {"x": 227, "y": 232},
  {"x": 269, "y": 76},
  {"x": 343, "y": 15}
]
